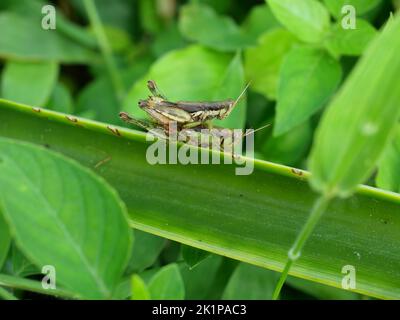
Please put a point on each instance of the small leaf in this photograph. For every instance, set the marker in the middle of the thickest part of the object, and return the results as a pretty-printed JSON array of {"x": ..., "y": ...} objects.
[
  {"x": 145, "y": 251},
  {"x": 167, "y": 284},
  {"x": 29, "y": 83},
  {"x": 201, "y": 23},
  {"x": 139, "y": 289},
  {"x": 388, "y": 168},
  {"x": 61, "y": 99},
  {"x": 249, "y": 282},
  {"x": 290, "y": 147},
  {"x": 193, "y": 256},
  {"x": 307, "y": 19},
  {"x": 263, "y": 62},
  {"x": 361, "y": 6},
  {"x": 63, "y": 215},
  {"x": 350, "y": 42},
  {"x": 361, "y": 119},
  {"x": 23, "y": 38},
  {"x": 5, "y": 240},
  {"x": 259, "y": 20},
  {"x": 196, "y": 286},
  {"x": 308, "y": 78}
]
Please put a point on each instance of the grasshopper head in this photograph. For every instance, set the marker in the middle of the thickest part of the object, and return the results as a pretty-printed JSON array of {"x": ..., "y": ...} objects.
[{"x": 143, "y": 104}]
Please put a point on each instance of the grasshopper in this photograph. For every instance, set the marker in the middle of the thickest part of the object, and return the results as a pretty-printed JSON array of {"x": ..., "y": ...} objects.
[
  {"x": 222, "y": 139},
  {"x": 186, "y": 114}
]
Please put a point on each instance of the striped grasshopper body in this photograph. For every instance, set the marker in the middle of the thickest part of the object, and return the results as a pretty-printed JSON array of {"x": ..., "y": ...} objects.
[
  {"x": 185, "y": 113},
  {"x": 221, "y": 139}
]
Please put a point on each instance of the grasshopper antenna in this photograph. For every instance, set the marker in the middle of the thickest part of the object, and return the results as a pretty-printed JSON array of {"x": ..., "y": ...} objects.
[
  {"x": 255, "y": 130},
  {"x": 242, "y": 93}
]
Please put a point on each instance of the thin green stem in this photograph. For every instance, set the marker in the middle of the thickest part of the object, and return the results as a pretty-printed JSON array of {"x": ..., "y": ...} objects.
[
  {"x": 5, "y": 295},
  {"x": 34, "y": 286},
  {"x": 294, "y": 253},
  {"x": 105, "y": 48}
]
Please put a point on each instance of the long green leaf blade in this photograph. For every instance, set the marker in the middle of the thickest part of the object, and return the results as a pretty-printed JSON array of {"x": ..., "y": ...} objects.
[{"x": 251, "y": 218}]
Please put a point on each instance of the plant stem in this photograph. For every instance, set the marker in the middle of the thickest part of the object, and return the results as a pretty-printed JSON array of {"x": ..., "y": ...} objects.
[
  {"x": 6, "y": 295},
  {"x": 34, "y": 286},
  {"x": 294, "y": 253},
  {"x": 105, "y": 48}
]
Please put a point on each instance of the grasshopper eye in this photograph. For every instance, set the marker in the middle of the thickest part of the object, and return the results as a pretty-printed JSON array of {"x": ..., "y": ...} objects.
[{"x": 142, "y": 103}]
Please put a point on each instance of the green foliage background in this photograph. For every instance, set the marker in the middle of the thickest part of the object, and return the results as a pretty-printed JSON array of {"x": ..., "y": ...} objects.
[{"x": 296, "y": 56}]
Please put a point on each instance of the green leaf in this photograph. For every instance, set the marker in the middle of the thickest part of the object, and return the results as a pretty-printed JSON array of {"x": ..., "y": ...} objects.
[
  {"x": 263, "y": 62},
  {"x": 290, "y": 147},
  {"x": 232, "y": 85},
  {"x": 145, "y": 251},
  {"x": 259, "y": 20},
  {"x": 83, "y": 217},
  {"x": 349, "y": 141},
  {"x": 321, "y": 291},
  {"x": 29, "y": 83},
  {"x": 200, "y": 23},
  {"x": 167, "y": 284},
  {"x": 250, "y": 283},
  {"x": 193, "y": 256},
  {"x": 23, "y": 38},
  {"x": 61, "y": 99},
  {"x": 5, "y": 240},
  {"x": 252, "y": 218},
  {"x": 361, "y": 6},
  {"x": 201, "y": 281},
  {"x": 307, "y": 19},
  {"x": 308, "y": 78},
  {"x": 350, "y": 42},
  {"x": 139, "y": 289},
  {"x": 203, "y": 67},
  {"x": 388, "y": 168}
]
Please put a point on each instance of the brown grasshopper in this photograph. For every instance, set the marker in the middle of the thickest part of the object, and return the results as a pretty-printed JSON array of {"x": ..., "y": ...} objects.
[
  {"x": 222, "y": 139},
  {"x": 186, "y": 114}
]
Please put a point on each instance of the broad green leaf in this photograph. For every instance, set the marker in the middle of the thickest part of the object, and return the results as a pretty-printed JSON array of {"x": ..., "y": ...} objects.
[
  {"x": 139, "y": 289},
  {"x": 307, "y": 19},
  {"x": 388, "y": 168},
  {"x": 61, "y": 99},
  {"x": 250, "y": 283},
  {"x": 29, "y": 83},
  {"x": 350, "y": 42},
  {"x": 259, "y": 20},
  {"x": 193, "y": 256},
  {"x": 263, "y": 62},
  {"x": 82, "y": 216},
  {"x": 24, "y": 39},
  {"x": 362, "y": 118},
  {"x": 145, "y": 251},
  {"x": 321, "y": 291},
  {"x": 200, "y": 23},
  {"x": 5, "y": 240},
  {"x": 252, "y": 218},
  {"x": 308, "y": 78},
  {"x": 32, "y": 9},
  {"x": 231, "y": 85},
  {"x": 167, "y": 40},
  {"x": 201, "y": 71},
  {"x": 361, "y": 6},
  {"x": 167, "y": 284}
]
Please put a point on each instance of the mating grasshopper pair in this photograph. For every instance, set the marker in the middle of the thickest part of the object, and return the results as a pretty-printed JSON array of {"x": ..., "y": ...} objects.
[{"x": 186, "y": 118}]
